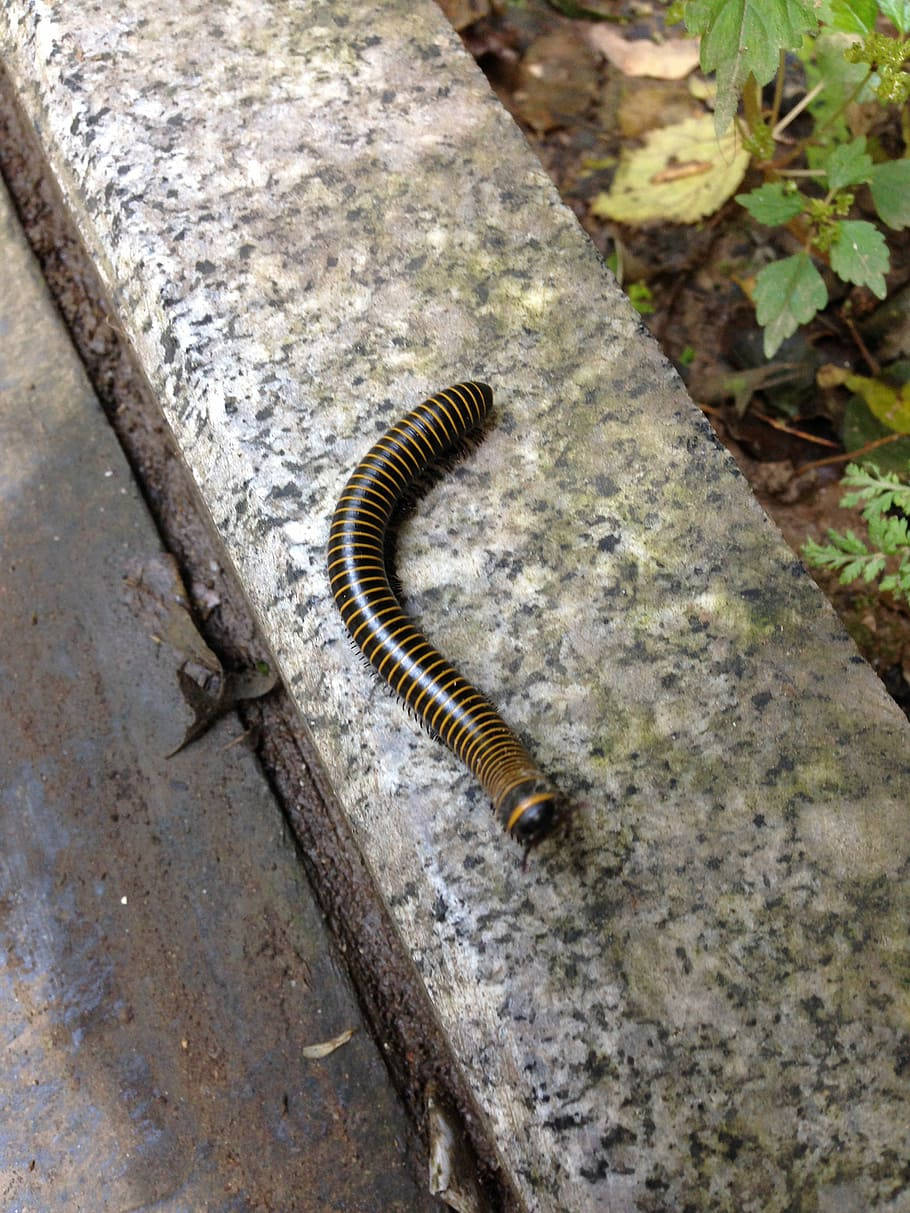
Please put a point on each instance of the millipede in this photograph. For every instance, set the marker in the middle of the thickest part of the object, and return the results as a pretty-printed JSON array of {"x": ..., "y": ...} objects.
[{"x": 387, "y": 478}]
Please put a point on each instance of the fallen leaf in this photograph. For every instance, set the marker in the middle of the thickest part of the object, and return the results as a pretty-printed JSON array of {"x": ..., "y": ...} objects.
[
  {"x": 743, "y": 384},
  {"x": 557, "y": 81},
  {"x": 453, "y": 1170},
  {"x": 648, "y": 105},
  {"x": 891, "y": 405},
  {"x": 681, "y": 173},
  {"x": 214, "y": 695},
  {"x": 889, "y": 326},
  {"x": 671, "y": 60},
  {"x": 861, "y": 427},
  {"x": 325, "y": 1047},
  {"x": 462, "y": 13},
  {"x": 157, "y": 597}
]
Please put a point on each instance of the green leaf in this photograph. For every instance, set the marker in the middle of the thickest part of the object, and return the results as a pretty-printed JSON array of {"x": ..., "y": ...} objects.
[
  {"x": 859, "y": 254},
  {"x": 848, "y": 164},
  {"x": 890, "y": 186},
  {"x": 772, "y": 204},
  {"x": 888, "y": 534},
  {"x": 880, "y": 490},
  {"x": 875, "y": 566},
  {"x": 787, "y": 294},
  {"x": 839, "y": 78},
  {"x": 849, "y": 542},
  {"x": 851, "y": 571},
  {"x": 740, "y": 37},
  {"x": 898, "y": 12},
  {"x": 861, "y": 427},
  {"x": 890, "y": 404},
  {"x": 897, "y": 583},
  {"x": 851, "y": 16}
]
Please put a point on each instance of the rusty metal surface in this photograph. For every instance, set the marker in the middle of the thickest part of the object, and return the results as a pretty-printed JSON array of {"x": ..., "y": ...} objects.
[{"x": 162, "y": 964}]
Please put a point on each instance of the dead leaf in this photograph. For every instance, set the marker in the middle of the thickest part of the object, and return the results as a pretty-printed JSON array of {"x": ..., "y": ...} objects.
[
  {"x": 157, "y": 597},
  {"x": 462, "y": 13},
  {"x": 655, "y": 182},
  {"x": 325, "y": 1047},
  {"x": 670, "y": 60},
  {"x": 214, "y": 695},
  {"x": 744, "y": 383},
  {"x": 453, "y": 1171},
  {"x": 646, "y": 105},
  {"x": 557, "y": 80}
]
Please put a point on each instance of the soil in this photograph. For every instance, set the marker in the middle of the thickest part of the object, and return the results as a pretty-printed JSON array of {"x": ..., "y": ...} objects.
[{"x": 578, "y": 111}]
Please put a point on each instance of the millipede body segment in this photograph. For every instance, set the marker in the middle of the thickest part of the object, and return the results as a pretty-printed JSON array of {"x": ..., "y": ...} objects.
[{"x": 524, "y": 799}]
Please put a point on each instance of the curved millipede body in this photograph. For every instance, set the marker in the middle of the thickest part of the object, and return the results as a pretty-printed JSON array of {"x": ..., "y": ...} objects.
[{"x": 524, "y": 799}]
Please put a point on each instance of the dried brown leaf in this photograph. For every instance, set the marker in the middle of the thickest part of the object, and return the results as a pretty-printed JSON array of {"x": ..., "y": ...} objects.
[{"x": 671, "y": 60}]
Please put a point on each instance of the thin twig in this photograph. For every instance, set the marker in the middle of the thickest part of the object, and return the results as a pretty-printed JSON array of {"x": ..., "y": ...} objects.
[
  {"x": 871, "y": 361},
  {"x": 786, "y": 429},
  {"x": 772, "y": 421},
  {"x": 861, "y": 450},
  {"x": 798, "y": 109}
]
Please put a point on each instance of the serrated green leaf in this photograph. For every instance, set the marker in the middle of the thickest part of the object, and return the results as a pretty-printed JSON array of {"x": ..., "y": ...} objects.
[
  {"x": 897, "y": 583},
  {"x": 875, "y": 566},
  {"x": 888, "y": 534},
  {"x": 740, "y": 37},
  {"x": 859, "y": 254},
  {"x": 890, "y": 186},
  {"x": 848, "y": 164},
  {"x": 849, "y": 542},
  {"x": 823, "y": 555},
  {"x": 772, "y": 204},
  {"x": 850, "y": 572},
  {"x": 787, "y": 294},
  {"x": 898, "y": 12},
  {"x": 851, "y": 16}
]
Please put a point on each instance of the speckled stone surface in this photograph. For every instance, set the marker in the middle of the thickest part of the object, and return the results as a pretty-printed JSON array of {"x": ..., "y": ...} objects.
[{"x": 311, "y": 215}]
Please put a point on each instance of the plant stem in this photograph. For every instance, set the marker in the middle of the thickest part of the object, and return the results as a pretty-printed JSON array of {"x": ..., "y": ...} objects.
[
  {"x": 800, "y": 147},
  {"x": 778, "y": 89},
  {"x": 752, "y": 104},
  {"x": 848, "y": 100}
]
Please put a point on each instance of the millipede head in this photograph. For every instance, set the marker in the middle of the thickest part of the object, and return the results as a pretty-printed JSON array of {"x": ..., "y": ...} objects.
[{"x": 531, "y": 811}]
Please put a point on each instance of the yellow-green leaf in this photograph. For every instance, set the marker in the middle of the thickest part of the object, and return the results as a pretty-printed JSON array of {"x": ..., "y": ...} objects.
[
  {"x": 682, "y": 173},
  {"x": 891, "y": 405}
]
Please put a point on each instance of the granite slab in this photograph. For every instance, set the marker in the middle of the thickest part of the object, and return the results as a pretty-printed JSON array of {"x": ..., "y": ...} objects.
[{"x": 311, "y": 215}]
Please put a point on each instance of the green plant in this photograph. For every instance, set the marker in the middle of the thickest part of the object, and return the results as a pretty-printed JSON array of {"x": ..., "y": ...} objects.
[
  {"x": 641, "y": 298},
  {"x": 886, "y": 506},
  {"x": 810, "y": 184}
]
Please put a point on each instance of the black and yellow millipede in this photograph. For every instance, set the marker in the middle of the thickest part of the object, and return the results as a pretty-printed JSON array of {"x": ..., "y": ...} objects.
[{"x": 525, "y": 801}]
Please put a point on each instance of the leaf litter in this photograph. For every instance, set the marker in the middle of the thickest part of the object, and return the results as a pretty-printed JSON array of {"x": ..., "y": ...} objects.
[{"x": 156, "y": 594}]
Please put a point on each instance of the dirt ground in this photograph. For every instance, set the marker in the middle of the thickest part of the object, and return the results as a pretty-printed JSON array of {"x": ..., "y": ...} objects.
[{"x": 578, "y": 110}]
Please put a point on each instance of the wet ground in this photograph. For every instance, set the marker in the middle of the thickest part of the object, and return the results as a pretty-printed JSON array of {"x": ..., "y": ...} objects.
[{"x": 164, "y": 971}]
